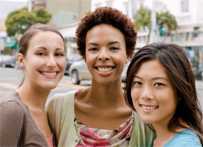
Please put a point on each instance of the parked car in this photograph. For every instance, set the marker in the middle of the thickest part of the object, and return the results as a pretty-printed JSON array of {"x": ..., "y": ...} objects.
[
  {"x": 7, "y": 61},
  {"x": 70, "y": 60},
  {"x": 78, "y": 71}
]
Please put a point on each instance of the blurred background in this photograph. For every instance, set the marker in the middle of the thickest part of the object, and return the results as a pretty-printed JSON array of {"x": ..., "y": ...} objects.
[
  {"x": 170, "y": 21},
  {"x": 174, "y": 21}
]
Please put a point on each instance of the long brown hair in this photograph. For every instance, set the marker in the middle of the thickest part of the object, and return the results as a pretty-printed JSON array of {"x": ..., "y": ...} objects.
[{"x": 31, "y": 31}]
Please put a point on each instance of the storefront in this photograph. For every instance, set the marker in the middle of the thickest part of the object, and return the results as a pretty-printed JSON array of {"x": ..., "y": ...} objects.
[{"x": 195, "y": 55}]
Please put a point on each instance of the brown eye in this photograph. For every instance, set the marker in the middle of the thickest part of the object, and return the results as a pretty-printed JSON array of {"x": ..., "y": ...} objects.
[
  {"x": 114, "y": 49},
  {"x": 93, "y": 49},
  {"x": 59, "y": 54},
  {"x": 159, "y": 84},
  {"x": 136, "y": 83},
  {"x": 40, "y": 53}
]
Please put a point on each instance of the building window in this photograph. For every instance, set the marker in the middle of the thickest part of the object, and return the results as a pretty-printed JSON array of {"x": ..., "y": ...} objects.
[{"x": 184, "y": 6}]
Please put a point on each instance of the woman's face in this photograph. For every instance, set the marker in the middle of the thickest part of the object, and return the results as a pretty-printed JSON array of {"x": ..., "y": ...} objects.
[
  {"x": 105, "y": 53},
  {"x": 44, "y": 61},
  {"x": 153, "y": 95}
]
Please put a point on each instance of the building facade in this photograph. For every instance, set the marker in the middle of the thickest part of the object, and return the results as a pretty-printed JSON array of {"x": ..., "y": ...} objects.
[{"x": 189, "y": 34}]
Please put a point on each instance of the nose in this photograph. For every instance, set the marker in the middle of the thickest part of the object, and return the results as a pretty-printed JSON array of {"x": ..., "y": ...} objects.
[
  {"x": 147, "y": 93},
  {"x": 103, "y": 54},
  {"x": 51, "y": 61}
]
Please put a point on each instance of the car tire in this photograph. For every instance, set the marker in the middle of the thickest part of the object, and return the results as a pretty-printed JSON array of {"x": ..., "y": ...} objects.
[{"x": 75, "y": 77}]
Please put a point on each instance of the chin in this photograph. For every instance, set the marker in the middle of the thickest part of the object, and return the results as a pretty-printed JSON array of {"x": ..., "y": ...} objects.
[
  {"x": 146, "y": 119},
  {"x": 48, "y": 86}
]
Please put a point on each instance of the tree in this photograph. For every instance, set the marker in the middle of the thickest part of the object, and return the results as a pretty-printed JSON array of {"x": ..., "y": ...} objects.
[
  {"x": 42, "y": 16},
  {"x": 166, "y": 22},
  {"x": 19, "y": 20},
  {"x": 143, "y": 18}
]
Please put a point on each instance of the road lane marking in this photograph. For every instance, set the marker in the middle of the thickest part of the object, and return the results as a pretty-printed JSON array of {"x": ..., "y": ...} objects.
[{"x": 8, "y": 86}]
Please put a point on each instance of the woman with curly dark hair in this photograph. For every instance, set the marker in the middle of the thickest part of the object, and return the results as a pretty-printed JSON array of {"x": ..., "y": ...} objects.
[
  {"x": 98, "y": 116},
  {"x": 161, "y": 88}
]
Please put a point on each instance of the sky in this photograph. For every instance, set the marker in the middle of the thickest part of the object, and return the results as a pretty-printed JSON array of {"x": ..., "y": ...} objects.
[
  {"x": 14, "y": 0},
  {"x": 6, "y": 6}
]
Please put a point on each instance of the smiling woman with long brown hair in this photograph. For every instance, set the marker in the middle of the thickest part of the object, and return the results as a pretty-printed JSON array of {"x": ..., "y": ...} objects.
[{"x": 23, "y": 120}]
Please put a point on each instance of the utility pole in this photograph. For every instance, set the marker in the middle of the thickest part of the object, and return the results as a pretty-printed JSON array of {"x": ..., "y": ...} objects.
[
  {"x": 153, "y": 23},
  {"x": 129, "y": 10},
  {"x": 29, "y": 5}
]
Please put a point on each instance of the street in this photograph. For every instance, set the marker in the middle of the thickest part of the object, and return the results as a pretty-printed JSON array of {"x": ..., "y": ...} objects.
[{"x": 11, "y": 78}]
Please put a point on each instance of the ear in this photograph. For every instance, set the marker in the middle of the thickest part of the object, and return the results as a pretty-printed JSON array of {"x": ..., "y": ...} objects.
[{"x": 20, "y": 60}]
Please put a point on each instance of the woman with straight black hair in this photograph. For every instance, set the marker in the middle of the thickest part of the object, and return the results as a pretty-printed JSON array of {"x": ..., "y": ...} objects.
[{"x": 161, "y": 88}]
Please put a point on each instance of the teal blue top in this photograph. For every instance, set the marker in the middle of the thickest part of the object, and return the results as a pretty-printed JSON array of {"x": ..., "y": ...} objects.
[{"x": 185, "y": 138}]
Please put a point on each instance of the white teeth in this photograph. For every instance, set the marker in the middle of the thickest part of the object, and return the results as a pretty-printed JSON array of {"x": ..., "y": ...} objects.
[
  {"x": 49, "y": 74},
  {"x": 104, "y": 69},
  {"x": 148, "y": 108}
]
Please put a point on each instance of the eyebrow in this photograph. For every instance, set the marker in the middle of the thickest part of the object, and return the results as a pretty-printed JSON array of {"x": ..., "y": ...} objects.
[
  {"x": 40, "y": 47},
  {"x": 113, "y": 42},
  {"x": 154, "y": 78},
  {"x": 44, "y": 48},
  {"x": 110, "y": 43},
  {"x": 92, "y": 43}
]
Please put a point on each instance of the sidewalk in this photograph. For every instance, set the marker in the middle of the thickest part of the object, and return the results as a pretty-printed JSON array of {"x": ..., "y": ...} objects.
[{"x": 199, "y": 84}]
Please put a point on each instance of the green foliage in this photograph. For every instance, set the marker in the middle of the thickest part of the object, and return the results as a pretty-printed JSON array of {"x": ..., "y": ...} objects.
[
  {"x": 41, "y": 16},
  {"x": 7, "y": 51},
  {"x": 143, "y": 18},
  {"x": 166, "y": 21},
  {"x": 19, "y": 20}
]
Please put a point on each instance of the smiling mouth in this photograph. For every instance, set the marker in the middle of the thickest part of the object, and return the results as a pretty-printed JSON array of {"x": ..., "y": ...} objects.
[
  {"x": 49, "y": 75},
  {"x": 105, "y": 69},
  {"x": 148, "y": 108}
]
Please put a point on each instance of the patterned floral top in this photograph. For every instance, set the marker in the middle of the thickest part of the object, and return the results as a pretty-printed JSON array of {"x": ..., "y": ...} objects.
[{"x": 94, "y": 137}]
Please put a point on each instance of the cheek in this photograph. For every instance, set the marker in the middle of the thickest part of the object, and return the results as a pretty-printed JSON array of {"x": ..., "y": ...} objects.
[
  {"x": 134, "y": 96},
  {"x": 89, "y": 57},
  {"x": 61, "y": 62},
  {"x": 32, "y": 64}
]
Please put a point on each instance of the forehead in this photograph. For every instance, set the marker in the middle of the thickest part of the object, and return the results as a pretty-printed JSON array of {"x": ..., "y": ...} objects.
[
  {"x": 45, "y": 38},
  {"x": 151, "y": 68},
  {"x": 104, "y": 32}
]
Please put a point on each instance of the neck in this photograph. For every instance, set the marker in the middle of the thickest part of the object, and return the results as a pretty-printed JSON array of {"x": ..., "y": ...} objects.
[
  {"x": 163, "y": 134},
  {"x": 32, "y": 96},
  {"x": 106, "y": 95}
]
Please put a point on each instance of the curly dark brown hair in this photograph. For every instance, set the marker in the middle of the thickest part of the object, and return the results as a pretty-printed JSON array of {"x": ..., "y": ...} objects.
[{"x": 110, "y": 16}]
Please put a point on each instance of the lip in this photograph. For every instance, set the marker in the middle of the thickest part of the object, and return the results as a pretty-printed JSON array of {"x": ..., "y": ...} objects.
[
  {"x": 148, "y": 108},
  {"x": 49, "y": 74},
  {"x": 105, "y": 71}
]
